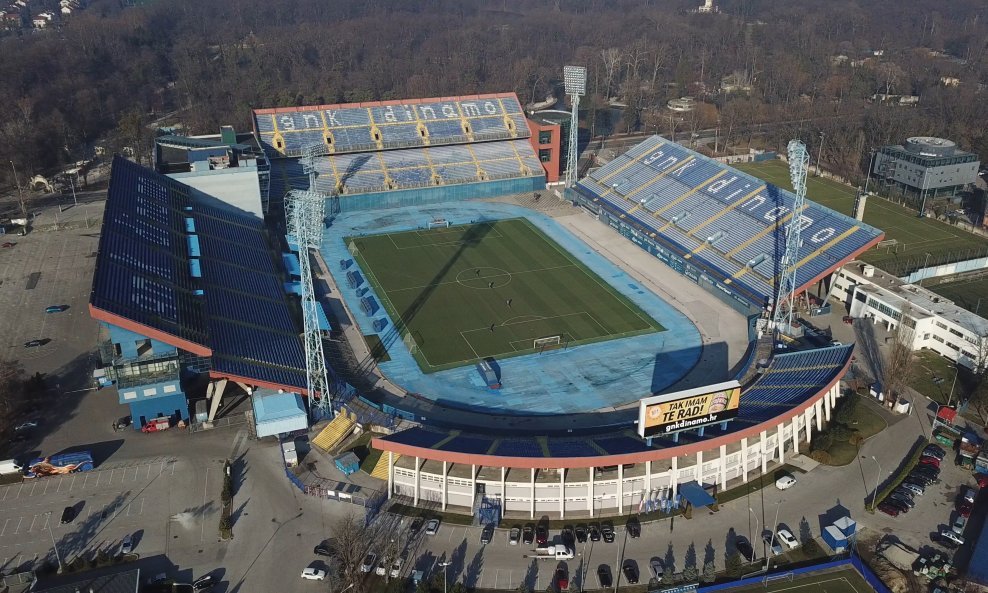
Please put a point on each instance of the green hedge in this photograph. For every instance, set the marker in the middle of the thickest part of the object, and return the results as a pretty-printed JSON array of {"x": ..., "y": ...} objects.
[{"x": 896, "y": 480}]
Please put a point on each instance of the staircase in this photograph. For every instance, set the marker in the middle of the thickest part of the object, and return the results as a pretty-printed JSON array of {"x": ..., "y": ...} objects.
[
  {"x": 335, "y": 431},
  {"x": 380, "y": 470}
]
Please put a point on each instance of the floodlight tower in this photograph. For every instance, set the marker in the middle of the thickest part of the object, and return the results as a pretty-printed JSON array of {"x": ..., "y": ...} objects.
[
  {"x": 785, "y": 298},
  {"x": 575, "y": 83},
  {"x": 304, "y": 213}
]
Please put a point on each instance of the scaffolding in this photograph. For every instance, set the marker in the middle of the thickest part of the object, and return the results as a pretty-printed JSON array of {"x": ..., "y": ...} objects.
[{"x": 785, "y": 300}]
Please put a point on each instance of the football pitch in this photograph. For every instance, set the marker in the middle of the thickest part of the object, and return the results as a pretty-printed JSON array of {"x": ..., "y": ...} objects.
[
  {"x": 972, "y": 294},
  {"x": 843, "y": 580},
  {"x": 916, "y": 236},
  {"x": 493, "y": 289}
]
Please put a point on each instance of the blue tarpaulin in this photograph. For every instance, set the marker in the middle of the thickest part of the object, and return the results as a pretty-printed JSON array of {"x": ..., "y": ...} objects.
[{"x": 696, "y": 495}]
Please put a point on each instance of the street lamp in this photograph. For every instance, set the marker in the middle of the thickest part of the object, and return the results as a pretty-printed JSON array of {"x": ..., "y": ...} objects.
[
  {"x": 53, "y": 546},
  {"x": 444, "y": 565},
  {"x": 775, "y": 527},
  {"x": 878, "y": 477},
  {"x": 20, "y": 193},
  {"x": 757, "y": 524}
]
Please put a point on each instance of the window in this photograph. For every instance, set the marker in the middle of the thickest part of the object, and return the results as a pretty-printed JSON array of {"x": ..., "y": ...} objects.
[
  {"x": 143, "y": 347},
  {"x": 545, "y": 155},
  {"x": 545, "y": 136},
  {"x": 941, "y": 325},
  {"x": 952, "y": 346},
  {"x": 938, "y": 338},
  {"x": 956, "y": 333}
]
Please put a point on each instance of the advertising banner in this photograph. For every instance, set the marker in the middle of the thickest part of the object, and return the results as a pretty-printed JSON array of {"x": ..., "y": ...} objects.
[{"x": 685, "y": 410}]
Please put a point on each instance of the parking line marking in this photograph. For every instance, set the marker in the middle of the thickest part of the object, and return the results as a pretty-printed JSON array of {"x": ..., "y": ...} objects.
[
  {"x": 173, "y": 468},
  {"x": 6, "y": 491},
  {"x": 111, "y": 476},
  {"x": 47, "y": 519},
  {"x": 47, "y": 484},
  {"x": 32, "y": 524},
  {"x": 136, "y": 470},
  {"x": 98, "y": 476},
  {"x": 18, "y": 528},
  {"x": 141, "y": 512},
  {"x": 35, "y": 485},
  {"x": 202, "y": 523},
  {"x": 4, "y": 527},
  {"x": 85, "y": 481},
  {"x": 59, "y": 489},
  {"x": 148, "y": 477}
]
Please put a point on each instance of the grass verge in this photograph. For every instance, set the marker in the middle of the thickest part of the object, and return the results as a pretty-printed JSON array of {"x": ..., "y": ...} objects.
[{"x": 900, "y": 475}]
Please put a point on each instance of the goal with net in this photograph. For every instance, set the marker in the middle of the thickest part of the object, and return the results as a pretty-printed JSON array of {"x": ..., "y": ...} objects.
[
  {"x": 438, "y": 223},
  {"x": 547, "y": 343},
  {"x": 410, "y": 343}
]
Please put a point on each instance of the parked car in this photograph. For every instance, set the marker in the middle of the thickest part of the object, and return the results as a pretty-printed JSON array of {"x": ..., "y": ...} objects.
[
  {"x": 514, "y": 535},
  {"x": 630, "y": 570},
  {"x": 959, "y": 524},
  {"x": 369, "y": 561},
  {"x": 203, "y": 583},
  {"x": 567, "y": 537},
  {"x": 923, "y": 481},
  {"x": 634, "y": 528},
  {"x": 581, "y": 533},
  {"x": 68, "y": 513},
  {"x": 562, "y": 578},
  {"x": 396, "y": 566},
  {"x": 948, "y": 535},
  {"x": 416, "y": 525},
  {"x": 968, "y": 494},
  {"x": 926, "y": 470},
  {"x": 432, "y": 527},
  {"x": 965, "y": 508},
  {"x": 787, "y": 538},
  {"x": 487, "y": 534},
  {"x": 773, "y": 546},
  {"x": 55, "y": 308},
  {"x": 656, "y": 567},
  {"x": 541, "y": 534},
  {"x": 916, "y": 489},
  {"x": 311, "y": 573},
  {"x": 382, "y": 567},
  {"x": 528, "y": 534},
  {"x": 23, "y": 426},
  {"x": 323, "y": 549},
  {"x": 931, "y": 461},
  {"x": 743, "y": 546},
  {"x": 888, "y": 509},
  {"x": 594, "y": 532},
  {"x": 604, "y": 576},
  {"x": 607, "y": 532},
  {"x": 785, "y": 482},
  {"x": 903, "y": 497},
  {"x": 982, "y": 480},
  {"x": 903, "y": 507},
  {"x": 935, "y": 451},
  {"x": 127, "y": 545}
]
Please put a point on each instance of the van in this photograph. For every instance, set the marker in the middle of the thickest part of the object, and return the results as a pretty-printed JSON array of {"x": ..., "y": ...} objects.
[{"x": 10, "y": 466}]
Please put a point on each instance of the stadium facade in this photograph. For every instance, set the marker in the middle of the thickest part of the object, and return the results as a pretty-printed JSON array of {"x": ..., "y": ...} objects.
[{"x": 192, "y": 285}]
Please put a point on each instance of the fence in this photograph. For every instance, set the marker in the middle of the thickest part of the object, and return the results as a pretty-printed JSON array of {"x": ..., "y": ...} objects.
[
  {"x": 226, "y": 422},
  {"x": 853, "y": 562}
]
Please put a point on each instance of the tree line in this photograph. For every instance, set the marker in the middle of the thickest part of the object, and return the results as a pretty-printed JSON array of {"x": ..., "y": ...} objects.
[{"x": 104, "y": 76}]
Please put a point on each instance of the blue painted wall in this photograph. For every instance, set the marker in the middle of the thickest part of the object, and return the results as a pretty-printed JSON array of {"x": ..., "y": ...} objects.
[
  {"x": 128, "y": 340},
  {"x": 162, "y": 389},
  {"x": 144, "y": 410},
  {"x": 433, "y": 195}
]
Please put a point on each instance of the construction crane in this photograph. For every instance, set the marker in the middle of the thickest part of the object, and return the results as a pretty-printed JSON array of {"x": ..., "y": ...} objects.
[
  {"x": 304, "y": 218},
  {"x": 785, "y": 297}
]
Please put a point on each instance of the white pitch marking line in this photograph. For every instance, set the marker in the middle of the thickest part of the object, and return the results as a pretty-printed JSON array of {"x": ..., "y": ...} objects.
[
  {"x": 173, "y": 468},
  {"x": 148, "y": 476},
  {"x": 59, "y": 489},
  {"x": 47, "y": 519},
  {"x": 6, "y": 491},
  {"x": 85, "y": 481}
]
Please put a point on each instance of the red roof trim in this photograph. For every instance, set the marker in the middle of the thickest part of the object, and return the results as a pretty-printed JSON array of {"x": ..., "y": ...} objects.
[
  {"x": 277, "y": 110},
  {"x": 257, "y": 383},
  {"x": 604, "y": 460},
  {"x": 150, "y": 332}
]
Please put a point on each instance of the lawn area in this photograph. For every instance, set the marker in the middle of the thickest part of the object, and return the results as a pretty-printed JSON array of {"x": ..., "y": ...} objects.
[
  {"x": 477, "y": 291},
  {"x": 846, "y": 580},
  {"x": 971, "y": 294},
  {"x": 916, "y": 236},
  {"x": 933, "y": 376}
]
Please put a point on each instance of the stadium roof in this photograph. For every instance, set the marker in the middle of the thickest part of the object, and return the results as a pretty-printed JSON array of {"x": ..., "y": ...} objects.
[
  {"x": 725, "y": 222},
  {"x": 788, "y": 386},
  {"x": 372, "y": 126},
  {"x": 201, "y": 277}
]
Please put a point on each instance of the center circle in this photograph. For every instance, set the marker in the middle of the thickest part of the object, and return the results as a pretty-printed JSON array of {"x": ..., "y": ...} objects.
[{"x": 483, "y": 277}]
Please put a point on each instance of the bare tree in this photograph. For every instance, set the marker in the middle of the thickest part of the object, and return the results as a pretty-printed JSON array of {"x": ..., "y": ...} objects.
[
  {"x": 898, "y": 360},
  {"x": 611, "y": 58},
  {"x": 350, "y": 542}
]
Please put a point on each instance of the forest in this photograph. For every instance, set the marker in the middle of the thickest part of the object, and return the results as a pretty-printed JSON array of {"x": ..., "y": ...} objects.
[{"x": 834, "y": 68}]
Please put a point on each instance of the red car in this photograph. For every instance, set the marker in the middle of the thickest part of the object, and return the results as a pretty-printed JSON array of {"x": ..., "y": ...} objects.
[
  {"x": 925, "y": 460},
  {"x": 982, "y": 480},
  {"x": 8, "y": 245},
  {"x": 889, "y": 509},
  {"x": 964, "y": 508}
]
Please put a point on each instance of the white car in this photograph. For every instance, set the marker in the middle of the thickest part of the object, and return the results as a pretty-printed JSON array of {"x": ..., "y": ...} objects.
[
  {"x": 787, "y": 539},
  {"x": 26, "y": 425},
  {"x": 382, "y": 568},
  {"x": 514, "y": 535},
  {"x": 127, "y": 545},
  {"x": 432, "y": 527},
  {"x": 657, "y": 568},
  {"x": 785, "y": 482},
  {"x": 396, "y": 567},
  {"x": 312, "y": 573},
  {"x": 369, "y": 560}
]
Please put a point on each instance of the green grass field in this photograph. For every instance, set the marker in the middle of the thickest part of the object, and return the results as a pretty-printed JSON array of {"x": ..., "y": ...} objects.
[
  {"x": 845, "y": 580},
  {"x": 916, "y": 236},
  {"x": 490, "y": 290},
  {"x": 971, "y": 294}
]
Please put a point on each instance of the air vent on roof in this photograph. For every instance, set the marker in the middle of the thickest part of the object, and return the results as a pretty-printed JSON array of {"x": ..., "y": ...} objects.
[
  {"x": 681, "y": 216},
  {"x": 716, "y": 237},
  {"x": 757, "y": 260}
]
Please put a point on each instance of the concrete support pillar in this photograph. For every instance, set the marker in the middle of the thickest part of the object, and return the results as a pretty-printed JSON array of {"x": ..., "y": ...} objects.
[
  {"x": 590, "y": 493},
  {"x": 533, "y": 494},
  {"x": 391, "y": 473},
  {"x": 807, "y": 426},
  {"x": 562, "y": 493},
  {"x": 795, "y": 435},
  {"x": 444, "y": 485},
  {"x": 648, "y": 478},
  {"x": 819, "y": 416},
  {"x": 762, "y": 438},
  {"x": 620, "y": 489},
  {"x": 781, "y": 438},
  {"x": 723, "y": 467},
  {"x": 698, "y": 473},
  {"x": 827, "y": 403},
  {"x": 418, "y": 480},
  {"x": 744, "y": 460},
  {"x": 473, "y": 480},
  {"x": 674, "y": 476}
]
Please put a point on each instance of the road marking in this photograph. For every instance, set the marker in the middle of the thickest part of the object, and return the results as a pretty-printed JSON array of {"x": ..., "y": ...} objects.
[
  {"x": 18, "y": 528},
  {"x": 59, "y": 489},
  {"x": 173, "y": 468},
  {"x": 72, "y": 483},
  {"x": 4, "y": 527},
  {"x": 136, "y": 470},
  {"x": 47, "y": 484},
  {"x": 47, "y": 519},
  {"x": 148, "y": 477},
  {"x": 6, "y": 491},
  {"x": 98, "y": 476},
  {"x": 202, "y": 522},
  {"x": 33, "y": 486},
  {"x": 111, "y": 477},
  {"x": 35, "y": 518}
]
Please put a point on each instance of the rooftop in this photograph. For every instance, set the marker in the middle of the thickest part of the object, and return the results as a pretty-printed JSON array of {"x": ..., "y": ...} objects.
[{"x": 118, "y": 582}]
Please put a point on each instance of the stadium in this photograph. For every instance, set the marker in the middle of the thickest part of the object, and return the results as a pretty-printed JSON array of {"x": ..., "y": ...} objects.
[{"x": 583, "y": 351}]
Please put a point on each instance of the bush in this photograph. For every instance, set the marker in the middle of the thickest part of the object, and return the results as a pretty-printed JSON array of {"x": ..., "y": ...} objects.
[
  {"x": 709, "y": 572},
  {"x": 856, "y": 439},
  {"x": 668, "y": 577},
  {"x": 822, "y": 441},
  {"x": 690, "y": 574},
  {"x": 821, "y": 456},
  {"x": 896, "y": 480},
  {"x": 734, "y": 565}
]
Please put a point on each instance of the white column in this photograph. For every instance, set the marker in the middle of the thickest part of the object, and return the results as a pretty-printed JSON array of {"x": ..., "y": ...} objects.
[
  {"x": 723, "y": 467},
  {"x": 391, "y": 473},
  {"x": 744, "y": 460},
  {"x": 562, "y": 493},
  {"x": 827, "y": 403},
  {"x": 418, "y": 481},
  {"x": 504, "y": 489},
  {"x": 674, "y": 476},
  {"x": 445, "y": 486},
  {"x": 698, "y": 473},
  {"x": 533, "y": 493},
  {"x": 764, "y": 454},
  {"x": 590, "y": 493},
  {"x": 818, "y": 414},
  {"x": 620, "y": 488},
  {"x": 807, "y": 424},
  {"x": 795, "y": 435},
  {"x": 473, "y": 481},
  {"x": 782, "y": 442},
  {"x": 648, "y": 478}
]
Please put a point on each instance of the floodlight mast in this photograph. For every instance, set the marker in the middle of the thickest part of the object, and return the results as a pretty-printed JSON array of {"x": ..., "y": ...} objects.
[
  {"x": 575, "y": 84},
  {"x": 785, "y": 298},
  {"x": 304, "y": 213}
]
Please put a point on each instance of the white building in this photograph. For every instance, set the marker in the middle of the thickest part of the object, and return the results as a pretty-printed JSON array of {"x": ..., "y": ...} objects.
[{"x": 937, "y": 323}]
